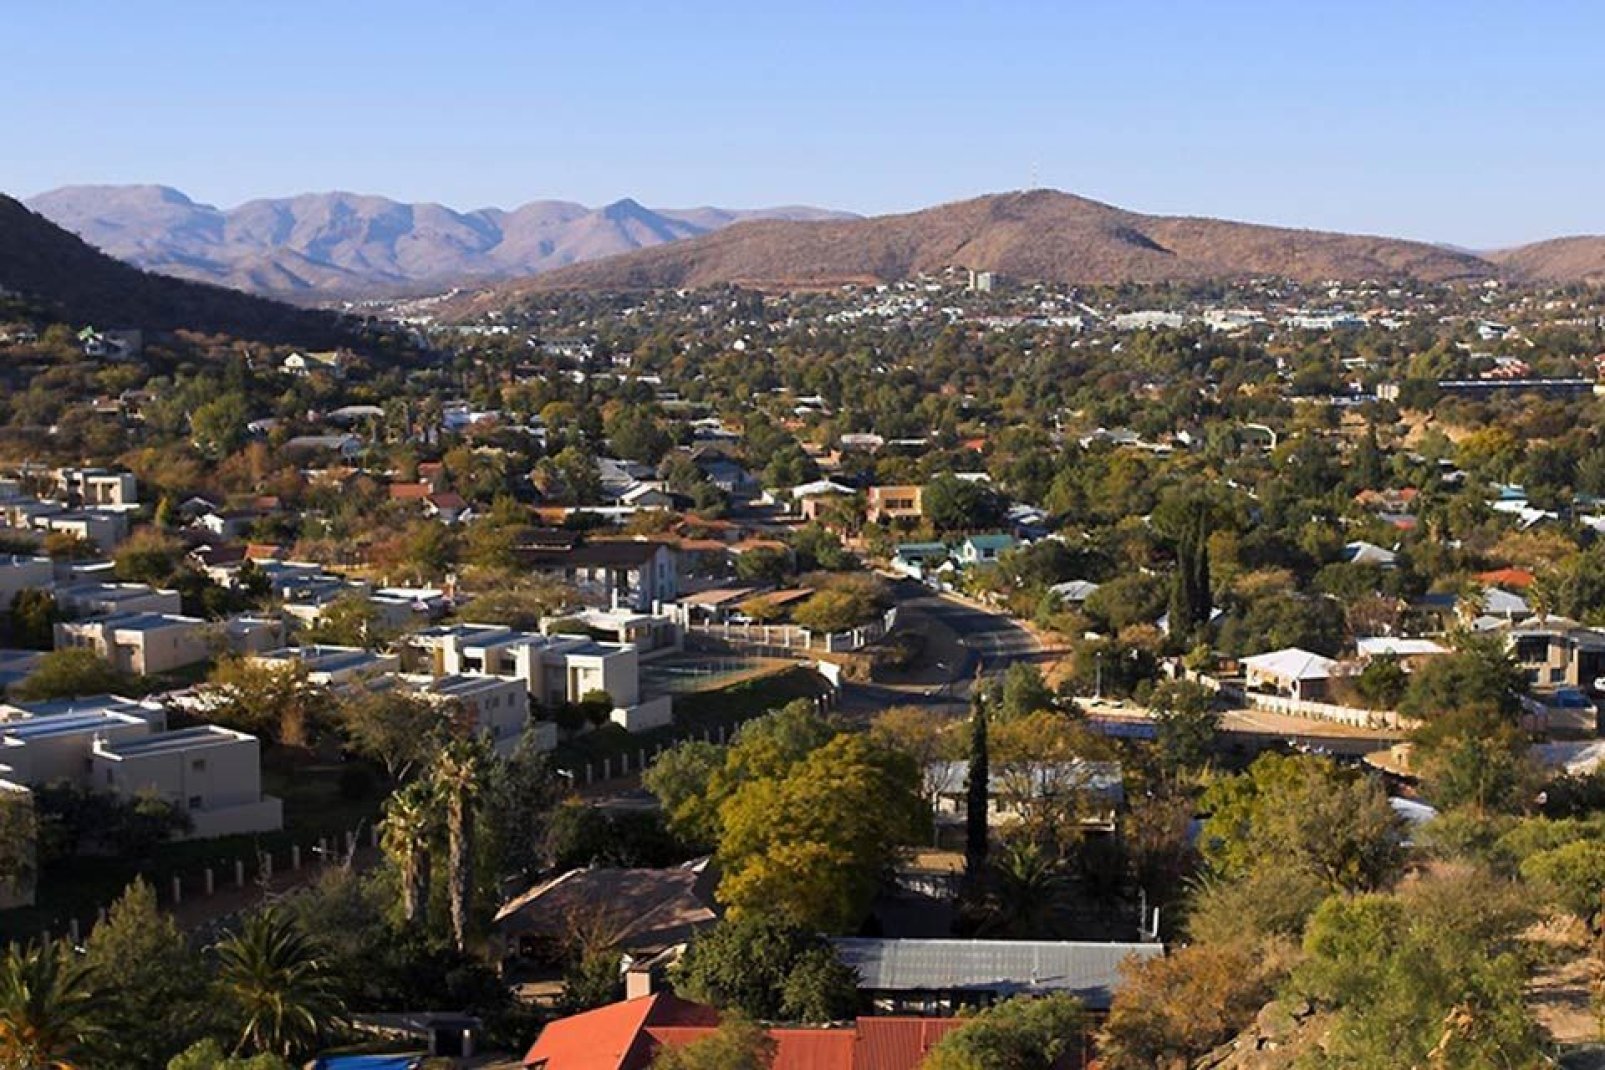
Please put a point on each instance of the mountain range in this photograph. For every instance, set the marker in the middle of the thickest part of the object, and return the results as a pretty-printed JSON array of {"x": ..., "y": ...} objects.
[
  {"x": 1038, "y": 235},
  {"x": 82, "y": 285},
  {"x": 320, "y": 245}
]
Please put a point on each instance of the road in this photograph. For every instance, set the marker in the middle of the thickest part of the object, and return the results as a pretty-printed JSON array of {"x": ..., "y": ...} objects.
[{"x": 962, "y": 640}]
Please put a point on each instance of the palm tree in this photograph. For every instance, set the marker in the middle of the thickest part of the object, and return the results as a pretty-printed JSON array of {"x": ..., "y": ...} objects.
[
  {"x": 1027, "y": 884},
  {"x": 273, "y": 974},
  {"x": 408, "y": 825},
  {"x": 459, "y": 777},
  {"x": 47, "y": 1008}
]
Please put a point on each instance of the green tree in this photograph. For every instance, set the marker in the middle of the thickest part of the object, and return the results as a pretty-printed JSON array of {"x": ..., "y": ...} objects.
[
  {"x": 1574, "y": 876},
  {"x": 681, "y": 777},
  {"x": 952, "y": 504},
  {"x": 399, "y": 729},
  {"x": 765, "y": 967},
  {"x": 813, "y": 845},
  {"x": 1022, "y": 1033},
  {"x": 1191, "y": 601},
  {"x": 151, "y": 984},
  {"x": 209, "y": 1055},
  {"x": 71, "y": 672},
  {"x": 409, "y": 826},
  {"x": 273, "y": 979},
  {"x": 33, "y": 619},
  {"x": 977, "y": 795},
  {"x": 277, "y": 701},
  {"x": 459, "y": 777},
  {"x": 1023, "y": 692},
  {"x": 1185, "y": 723},
  {"x": 49, "y": 1010},
  {"x": 738, "y": 1044},
  {"x": 349, "y": 620}
]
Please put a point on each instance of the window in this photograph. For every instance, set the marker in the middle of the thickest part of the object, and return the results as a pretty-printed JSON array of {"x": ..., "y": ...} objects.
[{"x": 198, "y": 765}]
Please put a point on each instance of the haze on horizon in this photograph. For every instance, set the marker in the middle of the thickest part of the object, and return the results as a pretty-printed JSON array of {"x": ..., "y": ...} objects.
[{"x": 1467, "y": 123}]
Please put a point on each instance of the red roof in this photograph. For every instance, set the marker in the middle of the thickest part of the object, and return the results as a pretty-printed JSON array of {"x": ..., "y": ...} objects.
[
  {"x": 625, "y": 1036},
  {"x": 618, "y": 1036},
  {"x": 408, "y": 492},
  {"x": 1508, "y": 577},
  {"x": 448, "y": 500}
]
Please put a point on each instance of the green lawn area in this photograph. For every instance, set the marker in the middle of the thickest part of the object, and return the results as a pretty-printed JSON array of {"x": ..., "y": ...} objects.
[
  {"x": 314, "y": 805},
  {"x": 696, "y": 711}
]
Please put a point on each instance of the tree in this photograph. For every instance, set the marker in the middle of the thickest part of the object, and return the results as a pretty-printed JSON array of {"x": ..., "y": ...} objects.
[
  {"x": 1023, "y": 692},
  {"x": 1191, "y": 602},
  {"x": 953, "y": 504},
  {"x": 1574, "y": 876},
  {"x": 459, "y": 775},
  {"x": 151, "y": 984},
  {"x": 273, "y": 978},
  {"x": 521, "y": 794},
  {"x": 977, "y": 794},
  {"x": 812, "y": 846},
  {"x": 399, "y": 729},
  {"x": 277, "y": 701},
  {"x": 1027, "y": 884},
  {"x": 209, "y": 1055},
  {"x": 681, "y": 778},
  {"x": 1382, "y": 682},
  {"x": 765, "y": 967},
  {"x": 1303, "y": 812},
  {"x": 71, "y": 672},
  {"x": 218, "y": 427},
  {"x": 349, "y": 620},
  {"x": 33, "y": 619},
  {"x": 737, "y": 1045},
  {"x": 409, "y": 826},
  {"x": 49, "y": 1011},
  {"x": 762, "y": 564},
  {"x": 835, "y": 610},
  {"x": 1021, "y": 1033},
  {"x": 1185, "y": 723}
]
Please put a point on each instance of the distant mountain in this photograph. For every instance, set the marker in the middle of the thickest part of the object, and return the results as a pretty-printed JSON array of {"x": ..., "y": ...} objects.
[
  {"x": 47, "y": 264},
  {"x": 1562, "y": 260},
  {"x": 1041, "y": 235},
  {"x": 345, "y": 244}
]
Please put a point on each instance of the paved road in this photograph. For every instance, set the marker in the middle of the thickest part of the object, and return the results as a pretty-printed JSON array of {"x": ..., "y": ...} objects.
[{"x": 961, "y": 639}]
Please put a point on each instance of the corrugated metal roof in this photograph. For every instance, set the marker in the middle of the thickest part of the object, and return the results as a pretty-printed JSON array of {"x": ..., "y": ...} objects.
[{"x": 1089, "y": 971}]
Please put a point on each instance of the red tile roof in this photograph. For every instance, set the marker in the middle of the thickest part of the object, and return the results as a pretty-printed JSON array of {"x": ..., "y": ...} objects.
[
  {"x": 408, "y": 492},
  {"x": 898, "y": 1043},
  {"x": 1508, "y": 577},
  {"x": 615, "y": 1037}
]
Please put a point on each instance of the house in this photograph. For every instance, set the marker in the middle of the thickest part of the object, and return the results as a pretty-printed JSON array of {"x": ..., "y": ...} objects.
[
  {"x": 983, "y": 549},
  {"x": 94, "y": 599},
  {"x": 811, "y": 499},
  {"x": 643, "y": 631},
  {"x": 646, "y": 496},
  {"x": 646, "y": 911},
  {"x": 447, "y": 506},
  {"x": 1410, "y": 652},
  {"x": 140, "y": 643},
  {"x": 729, "y": 477},
  {"x": 54, "y": 746},
  {"x": 332, "y": 666},
  {"x": 1012, "y": 788},
  {"x": 1073, "y": 592},
  {"x": 345, "y": 447},
  {"x": 627, "y": 1035},
  {"x": 227, "y": 524},
  {"x": 896, "y": 502},
  {"x": 1296, "y": 673},
  {"x": 496, "y": 706},
  {"x": 1369, "y": 553},
  {"x": 612, "y": 573},
  {"x": 23, "y": 572},
  {"x": 213, "y": 774},
  {"x": 919, "y": 559},
  {"x": 1558, "y": 652},
  {"x": 331, "y": 362},
  {"x": 941, "y": 976},
  {"x": 94, "y": 487},
  {"x": 248, "y": 634}
]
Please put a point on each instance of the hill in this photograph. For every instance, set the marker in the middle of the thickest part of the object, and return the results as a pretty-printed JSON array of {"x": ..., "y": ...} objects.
[
  {"x": 1040, "y": 235},
  {"x": 1577, "y": 259},
  {"x": 344, "y": 244},
  {"x": 45, "y": 263}
]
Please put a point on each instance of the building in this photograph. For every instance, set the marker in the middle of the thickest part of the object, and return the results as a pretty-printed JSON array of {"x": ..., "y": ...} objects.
[
  {"x": 1012, "y": 789},
  {"x": 23, "y": 572},
  {"x": 983, "y": 549},
  {"x": 941, "y": 976},
  {"x": 92, "y": 487},
  {"x": 140, "y": 643},
  {"x": 1296, "y": 673},
  {"x": 333, "y": 666},
  {"x": 614, "y": 574},
  {"x": 1558, "y": 652},
  {"x": 95, "y": 599},
  {"x": 896, "y": 502},
  {"x": 496, "y": 706},
  {"x": 211, "y": 773},
  {"x": 627, "y": 1035},
  {"x": 331, "y": 362}
]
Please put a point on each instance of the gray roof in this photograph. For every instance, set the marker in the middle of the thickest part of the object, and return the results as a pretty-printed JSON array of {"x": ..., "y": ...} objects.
[{"x": 1088, "y": 971}]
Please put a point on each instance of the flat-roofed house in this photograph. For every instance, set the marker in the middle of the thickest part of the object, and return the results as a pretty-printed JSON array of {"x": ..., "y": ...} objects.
[
  {"x": 93, "y": 598},
  {"x": 894, "y": 502},
  {"x": 140, "y": 643},
  {"x": 332, "y": 666},
  {"x": 213, "y": 774},
  {"x": 497, "y": 707}
]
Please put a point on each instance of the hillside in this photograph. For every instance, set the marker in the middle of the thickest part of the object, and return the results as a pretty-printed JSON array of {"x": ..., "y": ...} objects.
[
  {"x": 343, "y": 244},
  {"x": 43, "y": 262},
  {"x": 1577, "y": 259},
  {"x": 1041, "y": 235}
]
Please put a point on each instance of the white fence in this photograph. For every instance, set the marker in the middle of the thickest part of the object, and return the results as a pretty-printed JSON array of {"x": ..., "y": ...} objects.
[
  {"x": 1326, "y": 711},
  {"x": 791, "y": 637}
]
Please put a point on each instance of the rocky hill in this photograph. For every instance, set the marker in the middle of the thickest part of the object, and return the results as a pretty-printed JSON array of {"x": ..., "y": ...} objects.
[
  {"x": 344, "y": 244},
  {"x": 1041, "y": 235},
  {"x": 44, "y": 263}
]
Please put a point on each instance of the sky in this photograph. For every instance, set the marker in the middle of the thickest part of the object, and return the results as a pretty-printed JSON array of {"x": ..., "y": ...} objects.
[{"x": 1466, "y": 122}]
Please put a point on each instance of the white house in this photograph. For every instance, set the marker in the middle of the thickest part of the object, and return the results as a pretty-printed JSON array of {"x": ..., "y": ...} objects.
[
  {"x": 140, "y": 643},
  {"x": 1291, "y": 671},
  {"x": 332, "y": 666},
  {"x": 91, "y": 599},
  {"x": 213, "y": 774}
]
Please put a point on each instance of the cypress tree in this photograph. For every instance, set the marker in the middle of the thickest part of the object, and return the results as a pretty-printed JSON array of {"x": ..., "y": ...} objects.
[{"x": 977, "y": 787}]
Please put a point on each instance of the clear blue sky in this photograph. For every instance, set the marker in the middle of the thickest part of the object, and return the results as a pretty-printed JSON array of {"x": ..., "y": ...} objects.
[{"x": 1470, "y": 122}]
